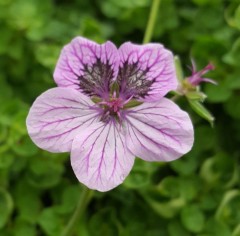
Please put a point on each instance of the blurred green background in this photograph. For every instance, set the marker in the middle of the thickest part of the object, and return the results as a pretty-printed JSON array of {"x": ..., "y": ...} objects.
[{"x": 195, "y": 195}]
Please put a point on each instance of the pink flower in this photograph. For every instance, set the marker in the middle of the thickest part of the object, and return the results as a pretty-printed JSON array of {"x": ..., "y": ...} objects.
[
  {"x": 196, "y": 78},
  {"x": 105, "y": 137}
]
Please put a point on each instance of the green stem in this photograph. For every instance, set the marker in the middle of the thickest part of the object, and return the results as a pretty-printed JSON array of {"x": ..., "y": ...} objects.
[
  {"x": 151, "y": 21},
  {"x": 82, "y": 205}
]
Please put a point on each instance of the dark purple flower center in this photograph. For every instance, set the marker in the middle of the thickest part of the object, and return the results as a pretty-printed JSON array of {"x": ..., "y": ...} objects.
[
  {"x": 112, "y": 108},
  {"x": 114, "y": 105},
  {"x": 98, "y": 78}
]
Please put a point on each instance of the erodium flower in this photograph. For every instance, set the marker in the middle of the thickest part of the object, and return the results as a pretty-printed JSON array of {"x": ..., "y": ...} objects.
[{"x": 105, "y": 136}]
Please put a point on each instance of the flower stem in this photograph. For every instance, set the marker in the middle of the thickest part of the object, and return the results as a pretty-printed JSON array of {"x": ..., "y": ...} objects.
[
  {"x": 82, "y": 205},
  {"x": 151, "y": 21}
]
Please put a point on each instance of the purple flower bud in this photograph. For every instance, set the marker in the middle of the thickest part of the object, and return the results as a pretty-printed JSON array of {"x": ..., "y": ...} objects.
[{"x": 196, "y": 78}]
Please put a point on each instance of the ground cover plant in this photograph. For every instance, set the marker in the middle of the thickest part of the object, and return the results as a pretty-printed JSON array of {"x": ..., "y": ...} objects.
[{"x": 197, "y": 194}]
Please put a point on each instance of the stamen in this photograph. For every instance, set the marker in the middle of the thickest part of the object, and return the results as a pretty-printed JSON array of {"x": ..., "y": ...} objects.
[{"x": 112, "y": 107}]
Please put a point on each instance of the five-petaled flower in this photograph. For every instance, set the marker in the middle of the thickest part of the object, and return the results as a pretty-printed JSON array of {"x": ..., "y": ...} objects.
[{"x": 105, "y": 136}]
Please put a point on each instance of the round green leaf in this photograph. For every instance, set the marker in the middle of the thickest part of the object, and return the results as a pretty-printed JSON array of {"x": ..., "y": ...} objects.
[
  {"x": 169, "y": 187},
  {"x": 214, "y": 227},
  {"x": 140, "y": 175},
  {"x": 44, "y": 172},
  {"x": 192, "y": 218},
  {"x": 24, "y": 229},
  {"x": 232, "y": 106},
  {"x": 50, "y": 222},
  {"x": 218, "y": 93},
  {"x": 6, "y": 160},
  {"x": 176, "y": 229},
  {"x": 6, "y": 207}
]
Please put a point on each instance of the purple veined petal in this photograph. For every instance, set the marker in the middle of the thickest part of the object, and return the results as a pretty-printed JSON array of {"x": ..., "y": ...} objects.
[
  {"x": 99, "y": 157},
  {"x": 56, "y": 117},
  {"x": 87, "y": 66},
  {"x": 159, "y": 131},
  {"x": 146, "y": 72}
]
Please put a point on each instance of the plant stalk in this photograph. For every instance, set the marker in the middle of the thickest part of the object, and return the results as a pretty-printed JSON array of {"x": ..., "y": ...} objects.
[
  {"x": 81, "y": 207},
  {"x": 151, "y": 21}
]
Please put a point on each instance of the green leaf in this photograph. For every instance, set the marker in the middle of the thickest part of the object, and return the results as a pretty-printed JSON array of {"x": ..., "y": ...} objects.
[
  {"x": 233, "y": 80},
  {"x": 24, "y": 229},
  {"x": 8, "y": 111},
  {"x": 205, "y": 2},
  {"x": 28, "y": 14},
  {"x": 28, "y": 204},
  {"x": 169, "y": 187},
  {"x": 232, "y": 14},
  {"x": 50, "y": 222},
  {"x": 236, "y": 231},
  {"x": 218, "y": 93},
  {"x": 140, "y": 175},
  {"x": 166, "y": 209},
  {"x": 185, "y": 166},
  {"x": 228, "y": 209},
  {"x": 192, "y": 218},
  {"x": 104, "y": 221},
  {"x": 220, "y": 170},
  {"x": 69, "y": 199},
  {"x": 209, "y": 201},
  {"x": 188, "y": 187},
  {"x": 44, "y": 172},
  {"x": 23, "y": 146},
  {"x": 201, "y": 144},
  {"x": 233, "y": 56},
  {"x": 176, "y": 229},
  {"x": 206, "y": 172},
  {"x": 5, "y": 89},
  {"x": 6, "y": 207},
  {"x": 137, "y": 179},
  {"x": 3, "y": 133},
  {"x": 6, "y": 160},
  {"x": 232, "y": 106},
  {"x": 201, "y": 111},
  {"x": 214, "y": 227},
  {"x": 47, "y": 54}
]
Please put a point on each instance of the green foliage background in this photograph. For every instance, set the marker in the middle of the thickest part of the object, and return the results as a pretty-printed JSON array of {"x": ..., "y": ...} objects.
[{"x": 195, "y": 195}]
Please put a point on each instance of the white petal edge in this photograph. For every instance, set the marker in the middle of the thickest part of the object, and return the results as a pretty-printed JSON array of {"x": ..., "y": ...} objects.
[{"x": 56, "y": 117}]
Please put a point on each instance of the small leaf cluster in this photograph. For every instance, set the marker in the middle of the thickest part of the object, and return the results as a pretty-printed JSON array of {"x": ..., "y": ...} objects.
[{"x": 197, "y": 195}]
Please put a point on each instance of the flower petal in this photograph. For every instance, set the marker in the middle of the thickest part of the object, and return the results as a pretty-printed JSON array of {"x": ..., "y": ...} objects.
[
  {"x": 146, "y": 72},
  {"x": 87, "y": 66},
  {"x": 159, "y": 131},
  {"x": 99, "y": 157},
  {"x": 56, "y": 117}
]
